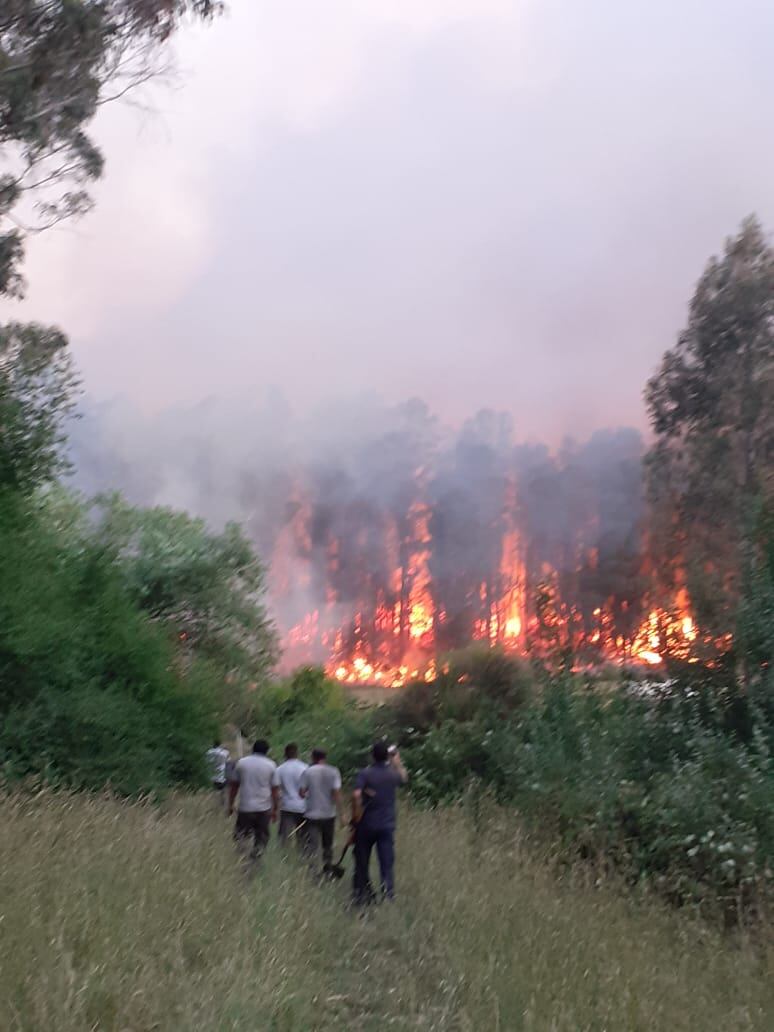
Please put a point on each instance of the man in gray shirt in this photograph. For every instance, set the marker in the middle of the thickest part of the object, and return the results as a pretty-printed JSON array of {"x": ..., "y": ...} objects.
[
  {"x": 254, "y": 783},
  {"x": 320, "y": 788},
  {"x": 287, "y": 778}
]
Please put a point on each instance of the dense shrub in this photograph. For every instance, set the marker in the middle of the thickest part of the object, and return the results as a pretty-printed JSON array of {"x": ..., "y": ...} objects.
[
  {"x": 677, "y": 787},
  {"x": 307, "y": 690},
  {"x": 91, "y": 691},
  {"x": 471, "y": 681}
]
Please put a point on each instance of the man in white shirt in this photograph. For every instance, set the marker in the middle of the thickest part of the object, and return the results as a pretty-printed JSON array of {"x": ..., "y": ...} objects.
[
  {"x": 321, "y": 791},
  {"x": 287, "y": 778},
  {"x": 217, "y": 758},
  {"x": 254, "y": 782}
]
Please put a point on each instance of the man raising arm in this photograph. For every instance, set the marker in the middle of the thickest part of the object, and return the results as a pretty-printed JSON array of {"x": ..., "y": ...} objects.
[{"x": 374, "y": 812}]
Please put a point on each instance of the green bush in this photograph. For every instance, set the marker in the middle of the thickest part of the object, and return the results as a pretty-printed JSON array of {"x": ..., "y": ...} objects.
[
  {"x": 91, "y": 691},
  {"x": 673, "y": 784},
  {"x": 470, "y": 681},
  {"x": 676, "y": 787},
  {"x": 307, "y": 690},
  {"x": 313, "y": 710}
]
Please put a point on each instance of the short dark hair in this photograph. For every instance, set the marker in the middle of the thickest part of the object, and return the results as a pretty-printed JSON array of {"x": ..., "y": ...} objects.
[
  {"x": 261, "y": 746},
  {"x": 216, "y": 743},
  {"x": 291, "y": 751},
  {"x": 318, "y": 754},
  {"x": 380, "y": 752}
]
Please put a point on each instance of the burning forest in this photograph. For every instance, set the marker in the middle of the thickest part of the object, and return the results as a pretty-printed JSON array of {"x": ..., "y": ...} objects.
[{"x": 413, "y": 544}]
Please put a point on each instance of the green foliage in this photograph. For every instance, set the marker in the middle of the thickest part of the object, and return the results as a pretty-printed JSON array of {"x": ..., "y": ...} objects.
[
  {"x": 755, "y": 617},
  {"x": 676, "y": 787},
  {"x": 306, "y": 691},
  {"x": 90, "y": 690},
  {"x": 710, "y": 406},
  {"x": 672, "y": 784},
  {"x": 312, "y": 710},
  {"x": 37, "y": 391},
  {"x": 471, "y": 679},
  {"x": 207, "y": 587},
  {"x": 59, "y": 61}
]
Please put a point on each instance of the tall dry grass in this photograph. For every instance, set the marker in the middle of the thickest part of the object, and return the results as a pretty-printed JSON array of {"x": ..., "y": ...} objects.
[{"x": 119, "y": 916}]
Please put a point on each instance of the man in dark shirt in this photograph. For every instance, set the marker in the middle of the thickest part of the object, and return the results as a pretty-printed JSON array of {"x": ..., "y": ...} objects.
[{"x": 374, "y": 812}]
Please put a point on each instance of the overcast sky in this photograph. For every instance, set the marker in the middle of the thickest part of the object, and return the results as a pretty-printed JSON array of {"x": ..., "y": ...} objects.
[{"x": 482, "y": 202}]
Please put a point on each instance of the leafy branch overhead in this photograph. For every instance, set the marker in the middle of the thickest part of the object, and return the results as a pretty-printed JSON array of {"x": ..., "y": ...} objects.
[{"x": 60, "y": 60}]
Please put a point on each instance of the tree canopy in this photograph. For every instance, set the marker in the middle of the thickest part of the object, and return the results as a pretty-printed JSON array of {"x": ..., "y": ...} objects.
[
  {"x": 711, "y": 405},
  {"x": 37, "y": 392},
  {"x": 59, "y": 61},
  {"x": 206, "y": 586}
]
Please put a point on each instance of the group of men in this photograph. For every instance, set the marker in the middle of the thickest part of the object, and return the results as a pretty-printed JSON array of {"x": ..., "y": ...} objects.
[{"x": 306, "y": 800}]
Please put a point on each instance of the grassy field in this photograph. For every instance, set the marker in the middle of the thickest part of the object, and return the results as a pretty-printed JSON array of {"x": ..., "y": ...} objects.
[{"x": 131, "y": 917}]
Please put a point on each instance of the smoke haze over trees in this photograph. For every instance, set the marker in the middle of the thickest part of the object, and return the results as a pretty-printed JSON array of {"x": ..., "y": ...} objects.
[{"x": 351, "y": 479}]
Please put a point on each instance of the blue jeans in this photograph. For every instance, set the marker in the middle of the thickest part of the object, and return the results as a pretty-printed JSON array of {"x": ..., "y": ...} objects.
[{"x": 365, "y": 840}]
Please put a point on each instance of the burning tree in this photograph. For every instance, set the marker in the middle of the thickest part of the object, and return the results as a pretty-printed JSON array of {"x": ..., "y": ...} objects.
[{"x": 396, "y": 561}]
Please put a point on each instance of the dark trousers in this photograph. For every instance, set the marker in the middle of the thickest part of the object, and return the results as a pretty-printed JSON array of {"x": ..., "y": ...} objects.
[
  {"x": 317, "y": 834},
  {"x": 255, "y": 823},
  {"x": 288, "y": 823},
  {"x": 365, "y": 840}
]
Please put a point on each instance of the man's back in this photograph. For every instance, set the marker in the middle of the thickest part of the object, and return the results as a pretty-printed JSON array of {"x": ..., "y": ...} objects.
[
  {"x": 217, "y": 758},
  {"x": 288, "y": 780},
  {"x": 320, "y": 781},
  {"x": 255, "y": 774},
  {"x": 378, "y": 784}
]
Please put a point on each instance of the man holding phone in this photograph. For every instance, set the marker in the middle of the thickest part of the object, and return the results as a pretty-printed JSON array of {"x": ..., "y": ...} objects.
[{"x": 373, "y": 803}]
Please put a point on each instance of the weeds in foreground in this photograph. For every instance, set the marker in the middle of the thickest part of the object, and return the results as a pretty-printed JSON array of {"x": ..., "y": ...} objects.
[{"x": 121, "y": 915}]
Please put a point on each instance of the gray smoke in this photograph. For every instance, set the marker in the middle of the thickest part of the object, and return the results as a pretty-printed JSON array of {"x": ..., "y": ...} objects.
[{"x": 350, "y": 474}]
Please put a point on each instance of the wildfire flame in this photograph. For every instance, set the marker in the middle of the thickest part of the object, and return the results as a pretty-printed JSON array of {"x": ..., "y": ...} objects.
[{"x": 390, "y": 637}]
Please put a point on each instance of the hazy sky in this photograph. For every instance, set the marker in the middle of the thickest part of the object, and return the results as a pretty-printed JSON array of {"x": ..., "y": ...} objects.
[{"x": 482, "y": 202}]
